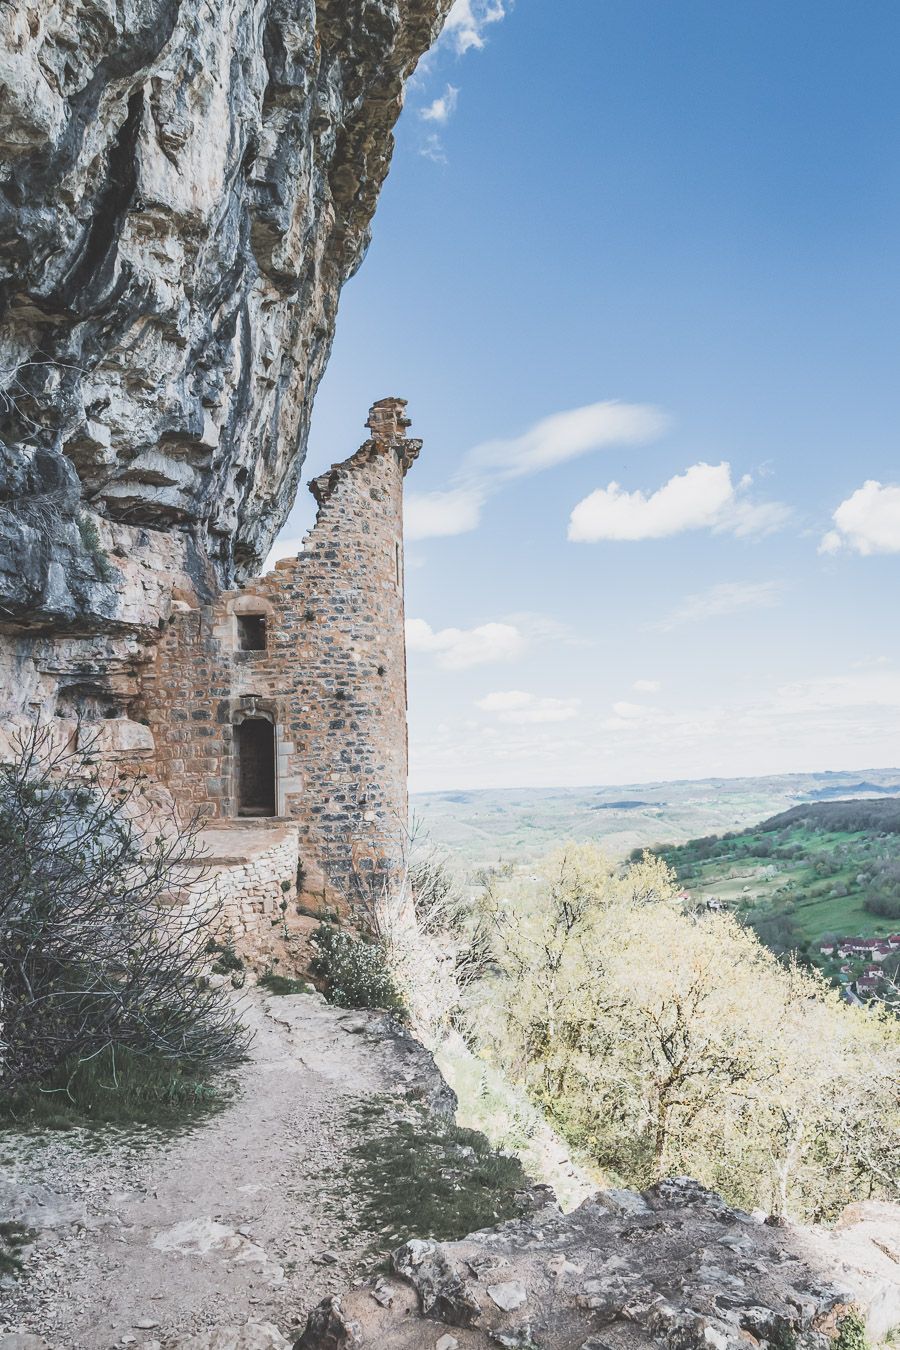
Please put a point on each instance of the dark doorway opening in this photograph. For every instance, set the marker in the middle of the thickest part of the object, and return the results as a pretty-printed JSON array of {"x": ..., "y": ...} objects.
[
  {"x": 256, "y": 767},
  {"x": 251, "y": 632}
]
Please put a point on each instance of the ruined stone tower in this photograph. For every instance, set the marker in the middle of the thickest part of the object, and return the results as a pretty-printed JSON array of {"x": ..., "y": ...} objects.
[{"x": 279, "y": 710}]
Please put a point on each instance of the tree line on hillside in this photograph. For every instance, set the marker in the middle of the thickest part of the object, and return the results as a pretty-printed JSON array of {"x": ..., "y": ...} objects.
[{"x": 881, "y": 815}]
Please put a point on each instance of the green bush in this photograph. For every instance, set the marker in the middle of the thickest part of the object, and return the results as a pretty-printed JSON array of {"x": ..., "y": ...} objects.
[
  {"x": 355, "y": 972},
  {"x": 852, "y": 1333},
  {"x": 227, "y": 960},
  {"x": 94, "y": 956},
  {"x": 91, "y": 540}
]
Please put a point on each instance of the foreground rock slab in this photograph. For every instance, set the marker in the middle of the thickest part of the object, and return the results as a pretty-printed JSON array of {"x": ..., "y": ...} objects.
[{"x": 673, "y": 1267}]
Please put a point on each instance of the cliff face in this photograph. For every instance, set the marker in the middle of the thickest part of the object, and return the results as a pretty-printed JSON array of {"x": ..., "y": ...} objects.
[{"x": 185, "y": 185}]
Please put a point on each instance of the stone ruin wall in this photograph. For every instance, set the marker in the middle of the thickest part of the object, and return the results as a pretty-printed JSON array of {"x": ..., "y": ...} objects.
[
  {"x": 331, "y": 679},
  {"x": 255, "y": 899}
]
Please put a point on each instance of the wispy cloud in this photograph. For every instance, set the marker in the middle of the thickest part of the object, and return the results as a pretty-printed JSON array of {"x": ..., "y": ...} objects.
[
  {"x": 465, "y": 30},
  {"x": 441, "y": 109},
  {"x": 516, "y": 707},
  {"x": 625, "y": 709},
  {"x": 647, "y": 686},
  {"x": 552, "y": 441},
  {"x": 431, "y": 515},
  {"x": 703, "y": 497},
  {"x": 460, "y": 648},
  {"x": 567, "y": 435},
  {"x": 868, "y": 521},
  {"x": 727, "y": 597},
  {"x": 468, "y": 21},
  {"x": 544, "y": 630},
  {"x": 778, "y": 727},
  {"x": 872, "y": 689}
]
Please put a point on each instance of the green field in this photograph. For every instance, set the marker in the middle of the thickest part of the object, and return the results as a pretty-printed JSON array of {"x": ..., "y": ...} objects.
[{"x": 826, "y": 869}]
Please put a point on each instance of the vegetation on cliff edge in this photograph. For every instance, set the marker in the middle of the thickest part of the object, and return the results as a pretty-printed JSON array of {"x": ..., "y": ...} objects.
[{"x": 661, "y": 1042}]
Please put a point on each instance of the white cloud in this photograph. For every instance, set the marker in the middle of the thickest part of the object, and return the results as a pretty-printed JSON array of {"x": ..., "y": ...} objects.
[
  {"x": 468, "y": 19},
  {"x": 550, "y": 442},
  {"x": 442, "y": 108},
  {"x": 432, "y": 148},
  {"x": 727, "y": 597},
  {"x": 629, "y": 710},
  {"x": 460, "y": 648},
  {"x": 434, "y": 515},
  {"x": 544, "y": 630},
  {"x": 567, "y": 435},
  {"x": 703, "y": 497},
  {"x": 868, "y": 521},
  {"x": 647, "y": 686},
  {"x": 745, "y": 518},
  {"x": 516, "y": 707}
]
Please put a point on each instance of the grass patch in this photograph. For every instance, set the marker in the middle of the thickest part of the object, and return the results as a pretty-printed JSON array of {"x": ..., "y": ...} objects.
[
  {"x": 13, "y": 1238},
  {"x": 122, "y": 1090},
  {"x": 90, "y": 538},
  {"x": 280, "y": 984},
  {"x": 427, "y": 1179}
]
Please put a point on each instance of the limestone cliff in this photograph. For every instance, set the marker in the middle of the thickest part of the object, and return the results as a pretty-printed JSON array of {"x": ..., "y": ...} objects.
[{"x": 185, "y": 185}]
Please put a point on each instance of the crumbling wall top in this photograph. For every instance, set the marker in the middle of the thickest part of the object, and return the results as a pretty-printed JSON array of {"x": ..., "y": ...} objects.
[{"x": 388, "y": 423}]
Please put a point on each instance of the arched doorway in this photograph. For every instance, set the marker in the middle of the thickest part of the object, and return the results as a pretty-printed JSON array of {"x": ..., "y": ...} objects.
[{"x": 255, "y": 737}]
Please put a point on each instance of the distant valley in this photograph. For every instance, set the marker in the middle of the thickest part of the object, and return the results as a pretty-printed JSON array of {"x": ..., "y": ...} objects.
[
  {"x": 821, "y": 879},
  {"x": 811, "y": 862},
  {"x": 484, "y": 827}
]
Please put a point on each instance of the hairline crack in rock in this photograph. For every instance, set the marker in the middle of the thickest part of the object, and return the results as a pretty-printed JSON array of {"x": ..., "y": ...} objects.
[{"x": 277, "y": 710}]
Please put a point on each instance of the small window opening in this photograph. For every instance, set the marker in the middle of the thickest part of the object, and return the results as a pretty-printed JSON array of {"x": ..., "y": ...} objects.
[
  {"x": 256, "y": 767},
  {"x": 251, "y": 630}
]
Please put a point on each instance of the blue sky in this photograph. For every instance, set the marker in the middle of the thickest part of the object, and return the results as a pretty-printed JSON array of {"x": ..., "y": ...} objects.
[{"x": 636, "y": 270}]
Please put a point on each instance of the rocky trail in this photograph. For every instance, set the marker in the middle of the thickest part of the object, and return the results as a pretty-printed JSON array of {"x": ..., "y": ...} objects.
[
  {"x": 255, "y": 1231},
  {"x": 152, "y": 1242}
]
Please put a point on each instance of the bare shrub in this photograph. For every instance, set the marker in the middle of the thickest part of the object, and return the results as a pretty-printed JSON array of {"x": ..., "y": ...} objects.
[{"x": 103, "y": 928}]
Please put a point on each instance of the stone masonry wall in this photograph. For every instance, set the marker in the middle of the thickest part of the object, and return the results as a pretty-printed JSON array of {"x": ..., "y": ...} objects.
[
  {"x": 250, "y": 884},
  {"x": 332, "y": 677}
]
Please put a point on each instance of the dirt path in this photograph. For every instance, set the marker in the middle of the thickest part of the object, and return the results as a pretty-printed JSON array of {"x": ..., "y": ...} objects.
[{"x": 141, "y": 1243}]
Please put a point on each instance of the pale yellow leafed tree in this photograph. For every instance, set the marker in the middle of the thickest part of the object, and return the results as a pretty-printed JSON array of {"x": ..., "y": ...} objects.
[{"x": 663, "y": 1042}]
